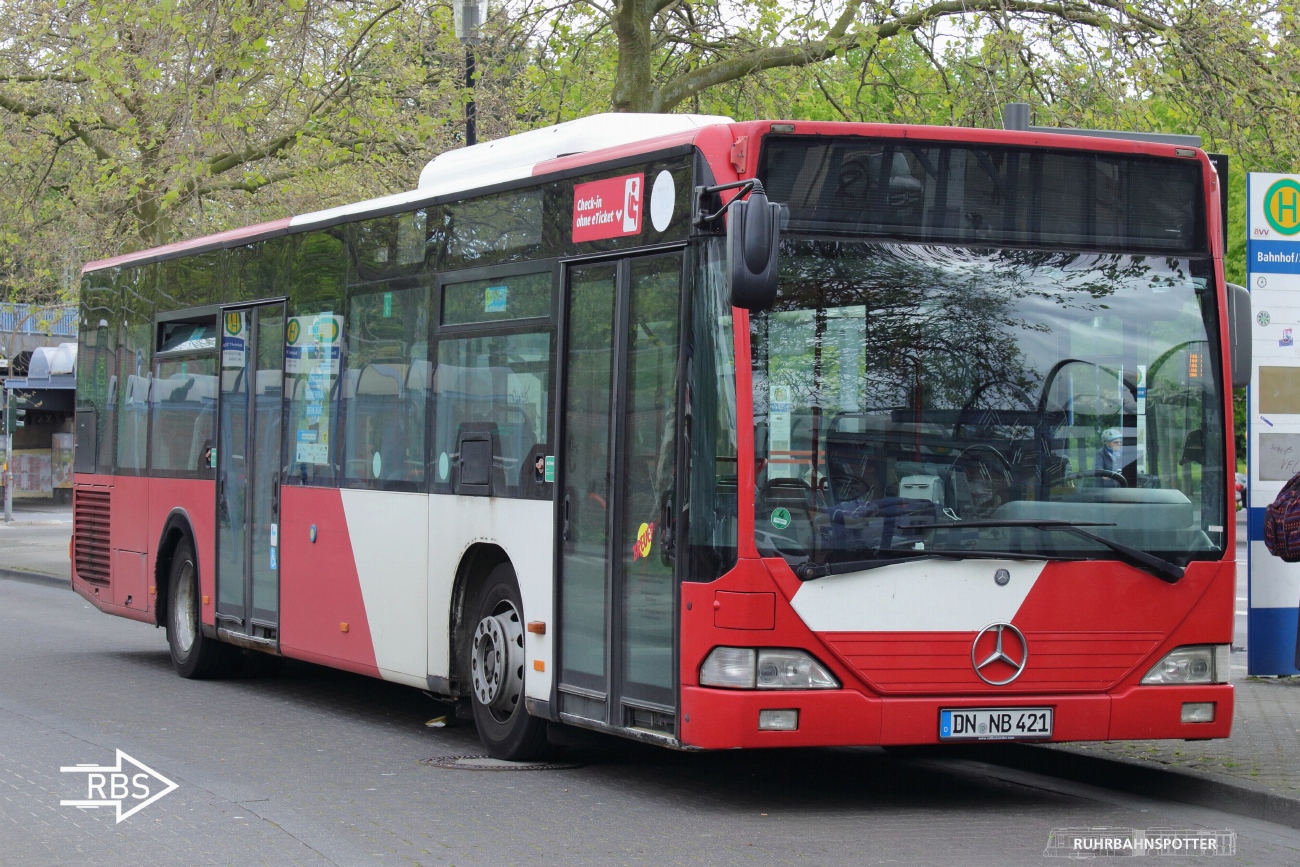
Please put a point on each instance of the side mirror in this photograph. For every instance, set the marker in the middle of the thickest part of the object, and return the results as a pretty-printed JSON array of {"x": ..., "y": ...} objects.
[
  {"x": 753, "y": 245},
  {"x": 1239, "y": 336}
]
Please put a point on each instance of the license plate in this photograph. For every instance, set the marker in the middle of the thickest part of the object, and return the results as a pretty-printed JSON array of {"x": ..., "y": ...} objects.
[{"x": 995, "y": 723}]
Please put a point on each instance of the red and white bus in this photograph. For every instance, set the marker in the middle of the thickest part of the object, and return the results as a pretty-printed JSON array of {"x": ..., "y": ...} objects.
[{"x": 506, "y": 438}]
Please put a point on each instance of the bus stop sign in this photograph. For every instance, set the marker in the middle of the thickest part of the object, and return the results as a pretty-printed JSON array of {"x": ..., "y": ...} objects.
[{"x": 1273, "y": 422}]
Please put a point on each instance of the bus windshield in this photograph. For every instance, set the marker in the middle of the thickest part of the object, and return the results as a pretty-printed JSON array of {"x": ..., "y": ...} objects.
[{"x": 898, "y": 387}]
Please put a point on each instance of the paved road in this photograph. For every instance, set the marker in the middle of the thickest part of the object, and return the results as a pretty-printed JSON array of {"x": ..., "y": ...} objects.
[
  {"x": 37, "y": 540},
  {"x": 318, "y": 767}
]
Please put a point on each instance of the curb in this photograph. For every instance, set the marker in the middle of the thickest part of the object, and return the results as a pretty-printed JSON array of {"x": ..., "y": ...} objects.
[
  {"x": 35, "y": 578},
  {"x": 1238, "y": 797}
]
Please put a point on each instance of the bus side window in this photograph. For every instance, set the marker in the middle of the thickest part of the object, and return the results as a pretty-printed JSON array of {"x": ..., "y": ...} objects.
[
  {"x": 313, "y": 346},
  {"x": 383, "y": 386},
  {"x": 492, "y": 389}
]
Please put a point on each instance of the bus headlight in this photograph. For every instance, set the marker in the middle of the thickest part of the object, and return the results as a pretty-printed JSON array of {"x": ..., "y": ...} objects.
[
  {"x": 1196, "y": 663},
  {"x": 764, "y": 668}
]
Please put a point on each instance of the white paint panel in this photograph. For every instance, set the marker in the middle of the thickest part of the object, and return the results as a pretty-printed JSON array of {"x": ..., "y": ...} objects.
[
  {"x": 1274, "y": 583},
  {"x": 925, "y": 596},
  {"x": 513, "y": 157},
  {"x": 524, "y": 529},
  {"x": 460, "y": 169},
  {"x": 388, "y": 532}
]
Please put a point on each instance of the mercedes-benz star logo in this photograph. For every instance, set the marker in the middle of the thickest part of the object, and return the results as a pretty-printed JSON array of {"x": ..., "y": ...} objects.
[{"x": 1006, "y": 637}]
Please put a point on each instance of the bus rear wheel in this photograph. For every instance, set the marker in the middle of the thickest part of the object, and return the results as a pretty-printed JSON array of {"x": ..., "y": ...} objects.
[
  {"x": 496, "y": 672},
  {"x": 194, "y": 655}
]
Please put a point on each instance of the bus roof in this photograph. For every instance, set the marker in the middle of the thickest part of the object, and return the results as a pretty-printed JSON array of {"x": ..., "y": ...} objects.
[
  {"x": 591, "y": 140},
  {"x": 463, "y": 169}
]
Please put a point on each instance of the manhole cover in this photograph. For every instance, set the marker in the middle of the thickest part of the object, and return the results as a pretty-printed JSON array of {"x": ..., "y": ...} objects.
[{"x": 487, "y": 763}]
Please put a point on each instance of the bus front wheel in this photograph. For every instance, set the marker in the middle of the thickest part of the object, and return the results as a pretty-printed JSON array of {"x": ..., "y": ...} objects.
[
  {"x": 497, "y": 672},
  {"x": 194, "y": 655}
]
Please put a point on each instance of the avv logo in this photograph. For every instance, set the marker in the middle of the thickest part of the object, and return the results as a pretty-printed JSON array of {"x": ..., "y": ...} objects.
[{"x": 118, "y": 787}]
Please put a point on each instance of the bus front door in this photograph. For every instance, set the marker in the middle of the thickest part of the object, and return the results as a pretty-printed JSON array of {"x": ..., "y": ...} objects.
[
  {"x": 617, "y": 594},
  {"x": 248, "y": 472}
]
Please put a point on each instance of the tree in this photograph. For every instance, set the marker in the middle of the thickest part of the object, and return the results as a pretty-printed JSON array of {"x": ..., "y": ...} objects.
[
  {"x": 666, "y": 53},
  {"x": 159, "y": 120}
]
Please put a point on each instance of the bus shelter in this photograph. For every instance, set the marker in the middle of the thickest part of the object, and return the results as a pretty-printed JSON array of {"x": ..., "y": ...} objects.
[{"x": 38, "y": 430}]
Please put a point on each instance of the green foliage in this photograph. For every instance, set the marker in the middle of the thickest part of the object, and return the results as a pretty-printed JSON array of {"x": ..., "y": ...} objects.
[{"x": 125, "y": 124}]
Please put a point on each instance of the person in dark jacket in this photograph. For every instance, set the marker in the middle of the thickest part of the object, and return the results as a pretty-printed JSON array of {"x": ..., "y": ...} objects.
[{"x": 1110, "y": 456}]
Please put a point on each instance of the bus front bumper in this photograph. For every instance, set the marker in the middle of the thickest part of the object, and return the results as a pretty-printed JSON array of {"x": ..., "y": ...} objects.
[{"x": 728, "y": 719}]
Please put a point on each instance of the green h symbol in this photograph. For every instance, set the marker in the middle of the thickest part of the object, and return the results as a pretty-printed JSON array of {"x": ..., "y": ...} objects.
[
  {"x": 1282, "y": 206},
  {"x": 1286, "y": 205}
]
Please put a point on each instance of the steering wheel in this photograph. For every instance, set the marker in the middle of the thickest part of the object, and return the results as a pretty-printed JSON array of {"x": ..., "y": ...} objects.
[
  {"x": 847, "y": 488},
  {"x": 981, "y": 465},
  {"x": 1118, "y": 478}
]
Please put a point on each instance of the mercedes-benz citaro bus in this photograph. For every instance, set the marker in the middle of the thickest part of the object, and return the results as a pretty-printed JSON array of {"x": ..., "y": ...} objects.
[{"x": 704, "y": 433}]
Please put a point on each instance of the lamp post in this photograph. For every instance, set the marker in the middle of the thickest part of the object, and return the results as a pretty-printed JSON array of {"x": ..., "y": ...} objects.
[{"x": 470, "y": 15}]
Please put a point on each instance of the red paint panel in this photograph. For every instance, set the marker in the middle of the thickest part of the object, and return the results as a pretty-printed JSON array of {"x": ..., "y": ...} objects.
[
  {"x": 129, "y": 519},
  {"x": 927, "y": 663},
  {"x": 1156, "y": 712},
  {"x": 106, "y": 606},
  {"x": 744, "y": 610},
  {"x": 608, "y": 209},
  {"x": 720, "y": 719},
  {"x": 196, "y": 499},
  {"x": 129, "y": 587},
  {"x": 745, "y": 467},
  {"x": 699, "y": 635},
  {"x": 230, "y": 238},
  {"x": 319, "y": 587},
  {"x": 962, "y": 134},
  {"x": 1094, "y": 594}
]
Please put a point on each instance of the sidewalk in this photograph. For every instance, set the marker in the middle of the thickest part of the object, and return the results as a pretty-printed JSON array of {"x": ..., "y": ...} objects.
[
  {"x": 1264, "y": 749},
  {"x": 35, "y": 546}
]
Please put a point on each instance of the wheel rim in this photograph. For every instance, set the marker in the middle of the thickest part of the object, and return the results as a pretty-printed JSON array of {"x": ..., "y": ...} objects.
[
  {"x": 497, "y": 661},
  {"x": 183, "y": 608}
]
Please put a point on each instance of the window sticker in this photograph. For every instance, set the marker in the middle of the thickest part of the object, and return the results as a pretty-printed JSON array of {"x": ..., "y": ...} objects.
[
  {"x": 780, "y": 518},
  {"x": 644, "y": 540},
  {"x": 494, "y": 299},
  {"x": 607, "y": 209},
  {"x": 234, "y": 338}
]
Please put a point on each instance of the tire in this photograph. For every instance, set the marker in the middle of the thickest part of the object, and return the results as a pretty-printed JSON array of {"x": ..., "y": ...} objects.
[
  {"x": 496, "y": 672},
  {"x": 194, "y": 655}
]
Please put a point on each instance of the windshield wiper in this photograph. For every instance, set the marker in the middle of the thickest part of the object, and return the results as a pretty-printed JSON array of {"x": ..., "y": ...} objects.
[
  {"x": 1157, "y": 566},
  {"x": 811, "y": 571}
]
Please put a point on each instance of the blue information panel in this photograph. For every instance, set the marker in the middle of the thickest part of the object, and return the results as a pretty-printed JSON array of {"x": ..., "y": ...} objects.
[{"x": 1273, "y": 277}]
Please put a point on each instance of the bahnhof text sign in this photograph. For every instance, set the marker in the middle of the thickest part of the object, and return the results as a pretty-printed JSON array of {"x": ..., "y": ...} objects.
[{"x": 1273, "y": 277}]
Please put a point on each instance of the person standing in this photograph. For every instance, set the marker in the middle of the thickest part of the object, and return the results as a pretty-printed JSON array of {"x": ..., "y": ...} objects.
[{"x": 1110, "y": 457}]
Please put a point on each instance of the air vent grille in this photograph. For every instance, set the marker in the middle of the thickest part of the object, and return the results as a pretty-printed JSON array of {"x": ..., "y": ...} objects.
[{"x": 90, "y": 524}]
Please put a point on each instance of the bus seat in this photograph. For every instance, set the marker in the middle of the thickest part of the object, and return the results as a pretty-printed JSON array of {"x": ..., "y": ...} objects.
[{"x": 201, "y": 437}]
